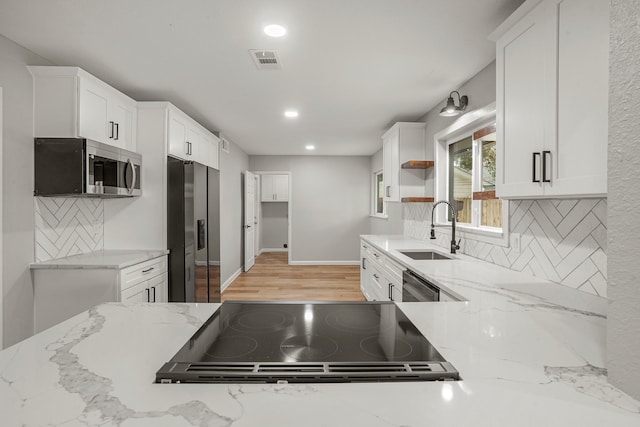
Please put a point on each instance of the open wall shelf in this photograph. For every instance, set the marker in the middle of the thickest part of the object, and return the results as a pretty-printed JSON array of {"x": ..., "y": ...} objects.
[
  {"x": 418, "y": 164},
  {"x": 417, "y": 200}
]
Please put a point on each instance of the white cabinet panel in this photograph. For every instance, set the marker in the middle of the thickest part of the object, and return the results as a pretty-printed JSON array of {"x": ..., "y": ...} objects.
[
  {"x": 60, "y": 293},
  {"x": 69, "y": 102},
  {"x": 579, "y": 164},
  {"x": 190, "y": 141},
  {"x": 137, "y": 293},
  {"x": 380, "y": 277},
  {"x": 93, "y": 111},
  {"x": 524, "y": 64},
  {"x": 552, "y": 100},
  {"x": 178, "y": 136},
  {"x": 274, "y": 188},
  {"x": 401, "y": 143}
]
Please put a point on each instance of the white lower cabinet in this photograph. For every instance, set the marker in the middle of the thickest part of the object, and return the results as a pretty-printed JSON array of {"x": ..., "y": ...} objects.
[
  {"x": 61, "y": 293},
  {"x": 380, "y": 277},
  {"x": 145, "y": 282}
]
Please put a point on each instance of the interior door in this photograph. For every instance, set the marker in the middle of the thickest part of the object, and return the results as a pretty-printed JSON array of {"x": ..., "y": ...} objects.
[{"x": 249, "y": 220}]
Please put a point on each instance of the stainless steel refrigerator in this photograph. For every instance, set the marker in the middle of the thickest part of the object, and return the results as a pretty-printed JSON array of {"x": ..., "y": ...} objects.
[{"x": 193, "y": 231}]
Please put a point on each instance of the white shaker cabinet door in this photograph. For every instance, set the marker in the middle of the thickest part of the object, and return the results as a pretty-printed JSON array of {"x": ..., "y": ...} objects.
[
  {"x": 579, "y": 157},
  {"x": 93, "y": 112},
  {"x": 281, "y": 187},
  {"x": 524, "y": 64},
  {"x": 136, "y": 293},
  {"x": 177, "y": 136}
]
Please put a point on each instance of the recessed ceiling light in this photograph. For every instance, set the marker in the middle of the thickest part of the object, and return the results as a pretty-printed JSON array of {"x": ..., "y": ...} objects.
[
  {"x": 291, "y": 113},
  {"x": 275, "y": 30},
  {"x": 310, "y": 147}
]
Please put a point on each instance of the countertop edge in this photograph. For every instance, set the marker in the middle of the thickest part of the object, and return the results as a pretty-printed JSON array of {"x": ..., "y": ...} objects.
[{"x": 91, "y": 260}]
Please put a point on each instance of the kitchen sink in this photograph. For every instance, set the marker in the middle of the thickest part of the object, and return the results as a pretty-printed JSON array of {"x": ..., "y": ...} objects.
[{"x": 424, "y": 255}]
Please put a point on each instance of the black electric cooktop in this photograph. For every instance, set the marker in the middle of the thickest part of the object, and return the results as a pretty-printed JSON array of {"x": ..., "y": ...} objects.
[{"x": 306, "y": 342}]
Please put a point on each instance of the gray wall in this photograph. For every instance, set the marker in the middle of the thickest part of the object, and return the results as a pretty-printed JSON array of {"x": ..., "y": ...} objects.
[
  {"x": 17, "y": 191},
  {"x": 393, "y": 223},
  {"x": 623, "y": 342},
  {"x": 274, "y": 229},
  {"x": 232, "y": 167},
  {"x": 330, "y": 204},
  {"x": 481, "y": 90}
]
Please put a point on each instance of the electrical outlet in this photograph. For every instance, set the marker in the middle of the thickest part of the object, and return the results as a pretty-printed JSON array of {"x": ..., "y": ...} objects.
[{"x": 515, "y": 241}]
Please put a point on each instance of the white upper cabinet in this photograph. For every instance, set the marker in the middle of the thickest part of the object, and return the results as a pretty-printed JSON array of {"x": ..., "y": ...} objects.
[
  {"x": 552, "y": 100},
  {"x": 189, "y": 141},
  {"x": 401, "y": 143},
  {"x": 71, "y": 103},
  {"x": 212, "y": 143},
  {"x": 274, "y": 188}
]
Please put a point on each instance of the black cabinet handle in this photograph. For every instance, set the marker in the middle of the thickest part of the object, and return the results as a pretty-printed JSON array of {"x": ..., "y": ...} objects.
[
  {"x": 111, "y": 136},
  {"x": 154, "y": 293},
  {"x": 148, "y": 269},
  {"x": 148, "y": 294},
  {"x": 534, "y": 167},
  {"x": 117, "y": 131},
  {"x": 376, "y": 276},
  {"x": 391, "y": 291},
  {"x": 363, "y": 266},
  {"x": 545, "y": 156}
]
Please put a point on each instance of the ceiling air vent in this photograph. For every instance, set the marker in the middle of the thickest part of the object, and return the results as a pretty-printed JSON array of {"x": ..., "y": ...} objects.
[{"x": 265, "y": 59}]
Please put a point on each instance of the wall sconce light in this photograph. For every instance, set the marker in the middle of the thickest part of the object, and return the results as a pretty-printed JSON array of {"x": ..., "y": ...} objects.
[{"x": 451, "y": 109}]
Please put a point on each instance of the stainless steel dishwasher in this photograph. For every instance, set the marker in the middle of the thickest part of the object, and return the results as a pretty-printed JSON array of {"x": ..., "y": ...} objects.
[{"x": 417, "y": 289}]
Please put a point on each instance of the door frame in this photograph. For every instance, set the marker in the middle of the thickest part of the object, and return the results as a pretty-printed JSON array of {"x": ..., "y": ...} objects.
[
  {"x": 245, "y": 225},
  {"x": 1, "y": 231},
  {"x": 289, "y": 207}
]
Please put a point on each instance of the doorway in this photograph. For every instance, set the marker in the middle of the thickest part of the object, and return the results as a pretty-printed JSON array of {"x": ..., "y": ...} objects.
[{"x": 274, "y": 210}]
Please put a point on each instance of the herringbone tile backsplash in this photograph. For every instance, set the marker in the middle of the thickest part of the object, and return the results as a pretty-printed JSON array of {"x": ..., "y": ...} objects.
[
  {"x": 68, "y": 226},
  {"x": 564, "y": 241}
]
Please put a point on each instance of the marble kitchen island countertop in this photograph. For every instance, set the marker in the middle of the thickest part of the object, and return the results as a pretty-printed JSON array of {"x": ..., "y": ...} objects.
[
  {"x": 525, "y": 359},
  {"x": 110, "y": 259}
]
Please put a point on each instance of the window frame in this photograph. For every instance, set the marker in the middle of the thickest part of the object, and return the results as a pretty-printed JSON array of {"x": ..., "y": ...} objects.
[
  {"x": 374, "y": 194},
  {"x": 465, "y": 126}
]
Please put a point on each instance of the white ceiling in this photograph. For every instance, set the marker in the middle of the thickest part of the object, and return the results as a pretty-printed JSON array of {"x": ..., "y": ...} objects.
[{"x": 350, "y": 67}]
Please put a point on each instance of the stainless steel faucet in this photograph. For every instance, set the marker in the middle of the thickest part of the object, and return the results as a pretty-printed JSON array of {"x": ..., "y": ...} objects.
[{"x": 454, "y": 245}]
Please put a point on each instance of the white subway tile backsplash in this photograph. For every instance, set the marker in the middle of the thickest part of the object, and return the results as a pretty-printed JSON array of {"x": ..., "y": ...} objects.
[{"x": 560, "y": 240}]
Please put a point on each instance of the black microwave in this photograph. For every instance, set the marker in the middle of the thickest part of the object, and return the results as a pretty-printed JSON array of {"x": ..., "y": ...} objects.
[{"x": 76, "y": 167}]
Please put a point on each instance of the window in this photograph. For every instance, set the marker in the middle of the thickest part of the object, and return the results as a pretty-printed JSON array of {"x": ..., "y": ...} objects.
[
  {"x": 378, "y": 208},
  {"x": 471, "y": 179}
]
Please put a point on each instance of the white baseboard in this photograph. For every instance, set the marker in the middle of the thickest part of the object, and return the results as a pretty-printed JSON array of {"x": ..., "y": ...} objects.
[
  {"x": 324, "y": 263},
  {"x": 274, "y": 250},
  {"x": 233, "y": 277}
]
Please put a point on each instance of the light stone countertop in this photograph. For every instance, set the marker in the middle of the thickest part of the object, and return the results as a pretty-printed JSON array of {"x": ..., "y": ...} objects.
[
  {"x": 110, "y": 259},
  {"x": 529, "y": 354}
]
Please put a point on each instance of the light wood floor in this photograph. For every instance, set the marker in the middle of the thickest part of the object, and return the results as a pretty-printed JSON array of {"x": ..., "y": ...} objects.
[{"x": 272, "y": 279}]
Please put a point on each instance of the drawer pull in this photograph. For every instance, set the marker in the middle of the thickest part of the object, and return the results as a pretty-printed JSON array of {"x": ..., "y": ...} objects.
[{"x": 148, "y": 269}]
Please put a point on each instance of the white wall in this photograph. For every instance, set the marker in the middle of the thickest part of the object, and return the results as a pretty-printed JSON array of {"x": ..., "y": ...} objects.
[
  {"x": 330, "y": 204},
  {"x": 623, "y": 324},
  {"x": 393, "y": 223},
  {"x": 17, "y": 190},
  {"x": 232, "y": 167},
  {"x": 274, "y": 229}
]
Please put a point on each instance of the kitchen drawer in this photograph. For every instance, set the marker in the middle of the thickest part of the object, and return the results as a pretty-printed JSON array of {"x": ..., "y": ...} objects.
[
  {"x": 137, "y": 273},
  {"x": 379, "y": 285},
  {"x": 394, "y": 268}
]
